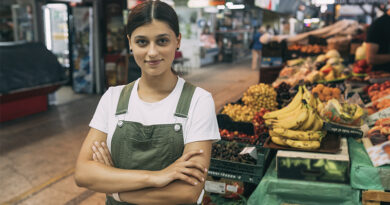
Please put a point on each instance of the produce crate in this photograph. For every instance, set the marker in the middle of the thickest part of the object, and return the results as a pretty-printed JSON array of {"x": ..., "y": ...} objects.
[
  {"x": 241, "y": 171},
  {"x": 225, "y": 122},
  {"x": 375, "y": 197},
  {"x": 314, "y": 166}
]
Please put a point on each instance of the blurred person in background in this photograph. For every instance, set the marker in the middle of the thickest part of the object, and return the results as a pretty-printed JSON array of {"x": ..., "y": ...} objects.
[
  {"x": 256, "y": 47},
  {"x": 378, "y": 43}
]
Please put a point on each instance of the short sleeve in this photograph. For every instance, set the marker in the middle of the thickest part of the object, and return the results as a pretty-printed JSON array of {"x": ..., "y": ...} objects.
[
  {"x": 202, "y": 123},
  {"x": 101, "y": 116}
]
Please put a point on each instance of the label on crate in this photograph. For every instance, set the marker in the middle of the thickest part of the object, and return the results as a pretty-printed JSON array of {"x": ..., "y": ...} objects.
[
  {"x": 251, "y": 151},
  {"x": 231, "y": 188},
  {"x": 343, "y": 130},
  {"x": 215, "y": 187}
]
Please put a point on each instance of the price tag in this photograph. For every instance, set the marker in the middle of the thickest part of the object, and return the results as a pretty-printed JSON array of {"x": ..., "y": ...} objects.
[
  {"x": 251, "y": 151},
  {"x": 215, "y": 187},
  {"x": 365, "y": 129},
  {"x": 231, "y": 188}
]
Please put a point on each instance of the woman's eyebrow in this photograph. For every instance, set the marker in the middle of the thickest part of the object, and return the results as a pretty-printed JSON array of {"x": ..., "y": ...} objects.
[{"x": 158, "y": 36}]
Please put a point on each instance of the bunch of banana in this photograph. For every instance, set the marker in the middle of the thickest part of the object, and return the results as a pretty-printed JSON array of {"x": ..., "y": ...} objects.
[
  {"x": 242, "y": 113},
  {"x": 260, "y": 96},
  {"x": 298, "y": 124}
]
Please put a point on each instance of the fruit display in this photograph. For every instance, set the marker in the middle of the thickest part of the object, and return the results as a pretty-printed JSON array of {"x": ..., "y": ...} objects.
[
  {"x": 378, "y": 106},
  {"x": 260, "y": 96},
  {"x": 380, "y": 132},
  {"x": 256, "y": 97},
  {"x": 259, "y": 124},
  {"x": 239, "y": 113},
  {"x": 361, "y": 66},
  {"x": 377, "y": 91},
  {"x": 360, "y": 52},
  {"x": 231, "y": 151},
  {"x": 238, "y": 137},
  {"x": 283, "y": 95},
  {"x": 297, "y": 125},
  {"x": 343, "y": 113},
  {"x": 326, "y": 93},
  {"x": 308, "y": 49}
]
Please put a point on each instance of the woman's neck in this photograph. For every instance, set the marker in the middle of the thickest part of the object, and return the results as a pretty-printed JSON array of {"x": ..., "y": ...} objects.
[{"x": 156, "y": 88}]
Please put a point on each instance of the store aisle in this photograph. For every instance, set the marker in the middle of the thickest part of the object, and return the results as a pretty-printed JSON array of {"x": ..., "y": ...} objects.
[{"x": 38, "y": 153}]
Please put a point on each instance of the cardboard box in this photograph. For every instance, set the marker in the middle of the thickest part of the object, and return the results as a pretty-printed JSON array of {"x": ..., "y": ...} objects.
[{"x": 314, "y": 166}]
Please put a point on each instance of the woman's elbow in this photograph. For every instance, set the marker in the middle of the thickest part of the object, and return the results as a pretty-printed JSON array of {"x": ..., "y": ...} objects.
[
  {"x": 192, "y": 196},
  {"x": 81, "y": 178}
]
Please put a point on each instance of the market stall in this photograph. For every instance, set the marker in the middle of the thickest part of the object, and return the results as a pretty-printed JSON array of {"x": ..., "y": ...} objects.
[{"x": 317, "y": 133}]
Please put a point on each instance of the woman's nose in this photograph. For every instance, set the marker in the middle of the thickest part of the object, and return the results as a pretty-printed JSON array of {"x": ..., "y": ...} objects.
[{"x": 152, "y": 50}]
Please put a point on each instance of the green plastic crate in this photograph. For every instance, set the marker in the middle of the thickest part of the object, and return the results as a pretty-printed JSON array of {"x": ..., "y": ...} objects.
[{"x": 240, "y": 171}]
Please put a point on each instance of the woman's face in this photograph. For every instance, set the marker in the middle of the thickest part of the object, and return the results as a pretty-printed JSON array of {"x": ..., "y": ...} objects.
[{"x": 154, "y": 47}]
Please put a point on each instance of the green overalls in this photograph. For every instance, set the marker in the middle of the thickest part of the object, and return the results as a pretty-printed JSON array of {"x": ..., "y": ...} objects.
[{"x": 152, "y": 147}]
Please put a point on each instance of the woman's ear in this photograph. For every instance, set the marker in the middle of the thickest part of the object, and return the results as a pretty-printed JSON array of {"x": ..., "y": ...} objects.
[
  {"x": 178, "y": 40},
  {"x": 129, "y": 39}
]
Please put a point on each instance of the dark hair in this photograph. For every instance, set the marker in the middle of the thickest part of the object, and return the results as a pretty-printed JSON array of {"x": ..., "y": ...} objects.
[{"x": 149, "y": 10}]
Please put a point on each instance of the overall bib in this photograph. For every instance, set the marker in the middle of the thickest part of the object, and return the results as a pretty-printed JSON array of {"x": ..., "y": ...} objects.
[{"x": 151, "y": 147}]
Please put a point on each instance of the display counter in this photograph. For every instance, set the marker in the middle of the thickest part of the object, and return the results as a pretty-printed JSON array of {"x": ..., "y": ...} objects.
[
  {"x": 363, "y": 174},
  {"x": 272, "y": 190}
]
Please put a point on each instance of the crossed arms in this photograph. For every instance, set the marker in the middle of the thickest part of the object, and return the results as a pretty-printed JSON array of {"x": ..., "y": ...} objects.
[{"x": 179, "y": 183}]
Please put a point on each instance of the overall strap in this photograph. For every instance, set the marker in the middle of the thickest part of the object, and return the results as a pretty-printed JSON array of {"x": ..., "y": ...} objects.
[
  {"x": 124, "y": 98},
  {"x": 185, "y": 100}
]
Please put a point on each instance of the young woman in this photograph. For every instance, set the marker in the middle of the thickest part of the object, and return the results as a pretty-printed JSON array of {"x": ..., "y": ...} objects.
[{"x": 150, "y": 141}]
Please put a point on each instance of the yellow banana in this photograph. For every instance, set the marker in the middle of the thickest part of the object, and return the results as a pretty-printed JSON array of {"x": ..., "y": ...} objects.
[
  {"x": 294, "y": 112},
  {"x": 308, "y": 145},
  {"x": 320, "y": 106},
  {"x": 318, "y": 123},
  {"x": 299, "y": 135},
  {"x": 277, "y": 139},
  {"x": 310, "y": 120},
  {"x": 309, "y": 97},
  {"x": 291, "y": 106},
  {"x": 293, "y": 122}
]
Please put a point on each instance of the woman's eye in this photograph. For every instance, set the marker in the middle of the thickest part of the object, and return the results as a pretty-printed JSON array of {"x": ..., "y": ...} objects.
[
  {"x": 163, "y": 41},
  {"x": 141, "y": 42}
]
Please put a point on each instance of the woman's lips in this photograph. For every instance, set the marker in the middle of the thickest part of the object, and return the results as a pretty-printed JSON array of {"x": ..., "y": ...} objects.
[{"x": 153, "y": 62}]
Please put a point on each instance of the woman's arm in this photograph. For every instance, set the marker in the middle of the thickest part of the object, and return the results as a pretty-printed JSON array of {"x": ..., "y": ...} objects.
[
  {"x": 101, "y": 178},
  {"x": 105, "y": 178},
  {"x": 372, "y": 56},
  {"x": 177, "y": 192}
]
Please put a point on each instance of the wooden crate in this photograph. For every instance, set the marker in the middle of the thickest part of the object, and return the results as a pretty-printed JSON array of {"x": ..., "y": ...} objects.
[{"x": 375, "y": 197}]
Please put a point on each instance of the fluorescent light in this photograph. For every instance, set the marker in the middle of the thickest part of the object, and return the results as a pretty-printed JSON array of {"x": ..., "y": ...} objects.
[
  {"x": 221, "y": 7},
  {"x": 198, "y": 3},
  {"x": 236, "y": 6},
  {"x": 47, "y": 29}
]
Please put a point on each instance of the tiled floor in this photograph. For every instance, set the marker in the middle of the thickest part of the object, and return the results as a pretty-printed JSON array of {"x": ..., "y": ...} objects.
[{"x": 38, "y": 152}]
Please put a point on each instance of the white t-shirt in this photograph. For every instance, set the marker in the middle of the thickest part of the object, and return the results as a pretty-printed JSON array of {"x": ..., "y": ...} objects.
[{"x": 201, "y": 123}]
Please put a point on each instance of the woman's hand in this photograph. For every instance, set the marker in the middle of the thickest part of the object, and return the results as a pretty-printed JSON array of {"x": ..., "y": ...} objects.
[
  {"x": 101, "y": 154},
  {"x": 182, "y": 169}
]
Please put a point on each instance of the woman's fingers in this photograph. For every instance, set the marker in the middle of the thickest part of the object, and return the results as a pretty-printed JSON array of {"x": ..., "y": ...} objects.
[
  {"x": 187, "y": 179},
  {"x": 190, "y": 154},
  {"x": 191, "y": 164},
  {"x": 103, "y": 153},
  {"x": 98, "y": 154},
  {"x": 194, "y": 173},
  {"x": 94, "y": 157},
  {"x": 108, "y": 153}
]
